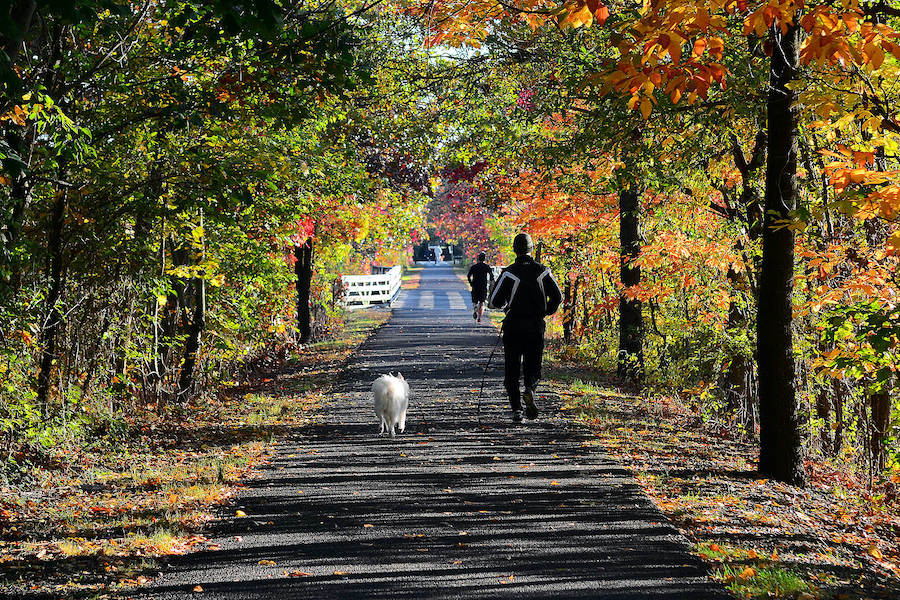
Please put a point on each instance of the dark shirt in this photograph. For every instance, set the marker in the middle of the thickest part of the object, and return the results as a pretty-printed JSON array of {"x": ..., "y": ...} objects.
[
  {"x": 526, "y": 289},
  {"x": 478, "y": 276}
]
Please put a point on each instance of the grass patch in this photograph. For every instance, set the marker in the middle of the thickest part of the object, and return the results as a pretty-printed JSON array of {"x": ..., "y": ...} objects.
[{"x": 764, "y": 582}]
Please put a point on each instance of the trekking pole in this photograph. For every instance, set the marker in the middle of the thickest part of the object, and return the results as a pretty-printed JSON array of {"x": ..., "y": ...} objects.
[{"x": 484, "y": 374}]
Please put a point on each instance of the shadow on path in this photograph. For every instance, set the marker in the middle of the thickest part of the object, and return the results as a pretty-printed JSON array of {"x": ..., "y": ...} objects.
[{"x": 452, "y": 508}]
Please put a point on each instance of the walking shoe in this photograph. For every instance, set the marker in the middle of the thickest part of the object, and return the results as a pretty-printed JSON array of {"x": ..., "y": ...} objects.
[
  {"x": 531, "y": 409},
  {"x": 517, "y": 416}
]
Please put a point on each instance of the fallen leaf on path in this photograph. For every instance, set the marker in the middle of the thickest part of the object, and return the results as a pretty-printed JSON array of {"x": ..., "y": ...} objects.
[
  {"x": 298, "y": 574},
  {"x": 240, "y": 513},
  {"x": 197, "y": 589},
  {"x": 267, "y": 563}
]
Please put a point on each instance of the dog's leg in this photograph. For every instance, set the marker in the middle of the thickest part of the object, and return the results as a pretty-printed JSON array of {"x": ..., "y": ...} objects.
[
  {"x": 402, "y": 423},
  {"x": 391, "y": 429},
  {"x": 381, "y": 431}
]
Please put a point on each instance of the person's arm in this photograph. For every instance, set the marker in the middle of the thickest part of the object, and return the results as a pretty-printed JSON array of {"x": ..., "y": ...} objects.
[
  {"x": 551, "y": 291},
  {"x": 469, "y": 276},
  {"x": 503, "y": 290}
]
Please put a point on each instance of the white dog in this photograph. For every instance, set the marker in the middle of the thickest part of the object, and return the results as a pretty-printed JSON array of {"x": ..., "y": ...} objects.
[{"x": 391, "y": 401}]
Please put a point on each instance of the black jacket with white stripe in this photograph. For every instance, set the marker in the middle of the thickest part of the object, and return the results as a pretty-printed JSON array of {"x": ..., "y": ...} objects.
[{"x": 526, "y": 289}]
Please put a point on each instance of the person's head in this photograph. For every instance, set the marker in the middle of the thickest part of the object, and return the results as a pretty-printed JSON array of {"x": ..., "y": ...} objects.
[
  {"x": 522, "y": 244},
  {"x": 481, "y": 257}
]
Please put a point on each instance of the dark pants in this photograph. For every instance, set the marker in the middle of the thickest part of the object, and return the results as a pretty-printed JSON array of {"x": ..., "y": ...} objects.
[{"x": 523, "y": 350}]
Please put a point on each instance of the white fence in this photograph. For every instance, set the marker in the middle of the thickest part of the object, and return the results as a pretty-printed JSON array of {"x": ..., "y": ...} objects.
[{"x": 366, "y": 290}]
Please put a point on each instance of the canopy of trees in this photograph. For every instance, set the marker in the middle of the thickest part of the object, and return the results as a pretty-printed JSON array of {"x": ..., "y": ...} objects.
[{"x": 716, "y": 184}]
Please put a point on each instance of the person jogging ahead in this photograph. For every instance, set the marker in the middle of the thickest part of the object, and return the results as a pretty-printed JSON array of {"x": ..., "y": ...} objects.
[
  {"x": 479, "y": 276},
  {"x": 527, "y": 292}
]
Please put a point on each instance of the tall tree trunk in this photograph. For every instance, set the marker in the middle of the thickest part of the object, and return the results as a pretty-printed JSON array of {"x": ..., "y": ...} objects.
[
  {"x": 781, "y": 452},
  {"x": 303, "y": 268},
  {"x": 53, "y": 322},
  {"x": 631, "y": 322}
]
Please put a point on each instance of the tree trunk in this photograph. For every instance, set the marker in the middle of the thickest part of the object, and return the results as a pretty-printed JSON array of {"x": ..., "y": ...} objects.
[
  {"x": 880, "y": 403},
  {"x": 303, "y": 268},
  {"x": 823, "y": 411},
  {"x": 631, "y": 324},
  {"x": 838, "y": 442},
  {"x": 20, "y": 193},
  {"x": 568, "y": 299},
  {"x": 568, "y": 310},
  {"x": 738, "y": 389},
  {"x": 781, "y": 452},
  {"x": 53, "y": 323},
  {"x": 193, "y": 329}
]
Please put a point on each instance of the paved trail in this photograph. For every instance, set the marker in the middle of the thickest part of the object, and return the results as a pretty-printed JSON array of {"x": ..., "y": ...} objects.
[{"x": 451, "y": 508}]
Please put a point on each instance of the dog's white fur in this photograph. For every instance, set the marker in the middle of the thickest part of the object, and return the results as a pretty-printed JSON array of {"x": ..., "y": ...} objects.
[{"x": 391, "y": 401}]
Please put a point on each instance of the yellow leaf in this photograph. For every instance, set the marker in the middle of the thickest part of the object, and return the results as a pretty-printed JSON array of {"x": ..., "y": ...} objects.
[
  {"x": 752, "y": 554},
  {"x": 893, "y": 247},
  {"x": 197, "y": 588},
  {"x": 747, "y": 573},
  {"x": 267, "y": 563},
  {"x": 368, "y": 525},
  {"x": 646, "y": 108},
  {"x": 240, "y": 513},
  {"x": 874, "y": 552}
]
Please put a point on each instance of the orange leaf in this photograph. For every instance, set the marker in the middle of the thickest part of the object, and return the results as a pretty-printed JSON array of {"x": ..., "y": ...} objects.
[{"x": 699, "y": 48}]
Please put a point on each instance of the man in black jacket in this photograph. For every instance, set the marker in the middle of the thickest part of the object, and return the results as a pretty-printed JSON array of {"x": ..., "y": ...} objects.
[
  {"x": 480, "y": 278},
  {"x": 527, "y": 292}
]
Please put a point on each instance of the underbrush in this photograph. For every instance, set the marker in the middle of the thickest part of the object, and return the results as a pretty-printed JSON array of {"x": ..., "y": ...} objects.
[{"x": 95, "y": 509}]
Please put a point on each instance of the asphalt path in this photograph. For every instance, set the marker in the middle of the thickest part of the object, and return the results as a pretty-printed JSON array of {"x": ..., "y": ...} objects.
[{"x": 461, "y": 505}]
